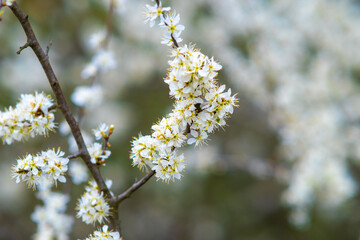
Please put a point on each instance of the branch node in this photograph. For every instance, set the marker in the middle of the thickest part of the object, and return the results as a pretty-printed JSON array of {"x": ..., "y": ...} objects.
[
  {"x": 48, "y": 48},
  {"x": 26, "y": 45}
]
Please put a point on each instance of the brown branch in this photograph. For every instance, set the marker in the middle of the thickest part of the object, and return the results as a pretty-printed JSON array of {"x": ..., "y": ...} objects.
[
  {"x": 134, "y": 187},
  {"x": 60, "y": 99},
  {"x": 26, "y": 45}
]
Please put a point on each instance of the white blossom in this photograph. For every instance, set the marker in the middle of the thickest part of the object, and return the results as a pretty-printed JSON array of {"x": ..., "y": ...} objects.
[
  {"x": 33, "y": 169},
  {"x": 33, "y": 115},
  {"x": 87, "y": 96},
  {"x": 104, "y": 60},
  {"x": 89, "y": 71},
  {"x": 154, "y": 12},
  {"x": 97, "y": 39},
  {"x": 200, "y": 105},
  {"x": 104, "y": 234},
  {"x": 174, "y": 29},
  {"x": 98, "y": 154},
  {"x": 101, "y": 131},
  {"x": 101, "y": 62},
  {"x": 52, "y": 222},
  {"x": 78, "y": 172},
  {"x": 92, "y": 206}
]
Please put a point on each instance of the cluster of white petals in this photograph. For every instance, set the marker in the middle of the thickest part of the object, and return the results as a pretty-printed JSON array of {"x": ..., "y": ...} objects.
[
  {"x": 32, "y": 116},
  {"x": 52, "y": 222},
  {"x": 92, "y": 206},
  {"x": 154, "y": 12},
  {"x": 168, "y": 20},
  {"x": 201, "y": 106},
  {"x": 96, "y": 40},
  {"x": 48, "y": 165},
  {"x": 98, "y": 154},
  {"x": 102, "y": 131},
  {"x": 104, "y": 234}
]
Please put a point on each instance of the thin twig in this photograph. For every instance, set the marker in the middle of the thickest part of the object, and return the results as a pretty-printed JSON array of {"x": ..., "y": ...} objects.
[
  {"x": 73, "y": 156},
  {"x": 26, "y": 45},
  {"x": 134, "y": 187}
]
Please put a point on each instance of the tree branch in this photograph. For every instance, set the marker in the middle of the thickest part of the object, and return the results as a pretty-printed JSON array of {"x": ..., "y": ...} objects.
[
  {"x": 60, "y": 99},
  {"x": 134, "y": 187}
]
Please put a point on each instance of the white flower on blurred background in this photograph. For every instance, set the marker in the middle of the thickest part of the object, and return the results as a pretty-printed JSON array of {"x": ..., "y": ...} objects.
[
  {"x": 88, "y": 96},
  {"x": 96, "y": 40},
  {"x": 101, "y": 62},
  {"x": 89, "y": 71},
  {"x": 104, "y": 234},
  {"x": 104, "y": 60},
  {"x": 52, "y": 222},
  {"x": 98, "y": 154},
  {"x": 92, "y": 206},
  {"x": 200, "y": 105},
  {"x": 33, "y": 169},
  {"x": 101, "y": 131},
  {"x": 32, "y": 116},
  {"x": 154, "y": 12},
  {"x": 78, "y": 172}
]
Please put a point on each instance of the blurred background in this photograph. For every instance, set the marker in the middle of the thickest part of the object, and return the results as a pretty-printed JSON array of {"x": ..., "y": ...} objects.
[{"x": 285, "y": 167}]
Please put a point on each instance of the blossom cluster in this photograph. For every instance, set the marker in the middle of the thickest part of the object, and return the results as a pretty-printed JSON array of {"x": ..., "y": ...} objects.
[
  {"x": 102, "y": 62},
  {"x": 92, "y": 206},
  {"x": 201, "y": 106},
  {"x": 98, "y": 152},
  {"x": 33, "y": 115},
  {"x": 169, "y": 20},
  {"x": 51, "y": 218},
  {"x": 104, "y": 234},
  {"x": 48, "y": 165}
]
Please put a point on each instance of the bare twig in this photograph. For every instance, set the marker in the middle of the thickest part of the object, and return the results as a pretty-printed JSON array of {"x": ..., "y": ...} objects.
[
  {"x": 26, "y": 45},
  {"x": 73, "y": 156},
  {"x": 134, "y": 187}
]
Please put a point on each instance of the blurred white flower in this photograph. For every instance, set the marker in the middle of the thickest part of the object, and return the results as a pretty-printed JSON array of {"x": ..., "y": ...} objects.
[
  {"x": 78, "y": 172},
  {"x": 88, "y": 96}
]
